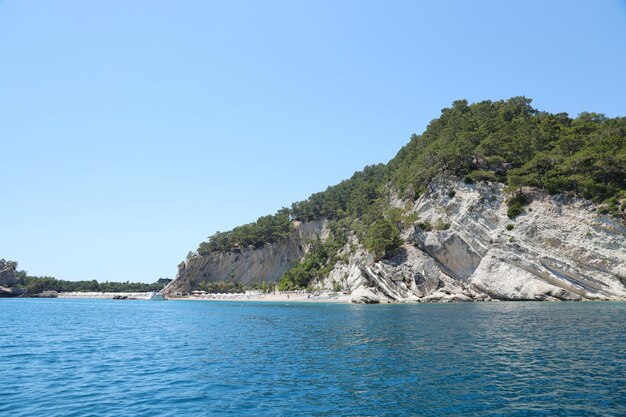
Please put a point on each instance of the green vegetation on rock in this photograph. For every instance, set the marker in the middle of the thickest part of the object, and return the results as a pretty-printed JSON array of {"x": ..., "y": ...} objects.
[
  {"x": 318, "y": 261},
  {"x": 506, "y": 141},
  {"x": 382, "y": 237},
  {"x": 516, "y": 204},
  {"x": 513, "y": 143},
  {"x": 266, "y": 229}
]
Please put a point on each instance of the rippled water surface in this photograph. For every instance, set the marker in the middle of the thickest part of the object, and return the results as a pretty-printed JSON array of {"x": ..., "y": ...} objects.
[{"x": 182, "y": 358}]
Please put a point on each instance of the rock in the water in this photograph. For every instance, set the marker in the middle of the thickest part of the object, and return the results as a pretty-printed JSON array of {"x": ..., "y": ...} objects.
[{"x": 48, "y": 294}]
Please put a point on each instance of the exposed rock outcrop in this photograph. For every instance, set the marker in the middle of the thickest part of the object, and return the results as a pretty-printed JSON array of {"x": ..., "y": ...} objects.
[
  {"x": 8, "y": 277},
  {"x": 7, "y": 272},
  {"x": 8, "y": 292},
  {"x": 363, "y": 295},
  {"x": 560, "y": 248}
]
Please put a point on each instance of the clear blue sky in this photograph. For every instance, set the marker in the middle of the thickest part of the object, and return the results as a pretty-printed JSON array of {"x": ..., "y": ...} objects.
[{"x": 132, "y": 130}]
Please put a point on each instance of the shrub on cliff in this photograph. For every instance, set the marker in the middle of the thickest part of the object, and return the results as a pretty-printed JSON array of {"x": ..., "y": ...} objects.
[
  {"x": 318, "y": 261},
  {"x": 516, "y": 204},
  {"x": 382, "y": 237}
]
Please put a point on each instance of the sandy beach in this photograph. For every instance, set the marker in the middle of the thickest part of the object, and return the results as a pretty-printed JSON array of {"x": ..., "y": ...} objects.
[
  {"x": 324, "y": 297},
  {"x": 128, "y": 295}
]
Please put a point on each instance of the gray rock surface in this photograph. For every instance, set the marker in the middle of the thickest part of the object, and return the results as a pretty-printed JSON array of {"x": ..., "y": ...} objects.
[
  {"x": 363, "y": 295},
  {"x": 7, "y": 272},
  {"x": 559, "y": 249},
  {"x": 7, "y": 292}
]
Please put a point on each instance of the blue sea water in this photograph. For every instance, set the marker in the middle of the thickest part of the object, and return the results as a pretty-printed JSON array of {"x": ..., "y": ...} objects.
[{"x": 61, "y": 357}]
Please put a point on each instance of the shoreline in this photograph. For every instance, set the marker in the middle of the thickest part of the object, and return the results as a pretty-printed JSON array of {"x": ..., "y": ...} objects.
[
  {"x": 286, "y": 298},
  {"x": 104, "y": 295},
  {"x": 324, "y": 297},
  {"x": 327, "y": 297}
]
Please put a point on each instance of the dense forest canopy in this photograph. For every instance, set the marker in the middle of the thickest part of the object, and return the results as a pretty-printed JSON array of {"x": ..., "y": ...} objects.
[
  {"x": 507, "y": 141},
  {"x": 513, "y": 143}
]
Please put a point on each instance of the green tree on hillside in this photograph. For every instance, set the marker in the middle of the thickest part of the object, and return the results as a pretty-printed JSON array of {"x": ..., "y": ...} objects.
[{"x": 382, "y": 237}]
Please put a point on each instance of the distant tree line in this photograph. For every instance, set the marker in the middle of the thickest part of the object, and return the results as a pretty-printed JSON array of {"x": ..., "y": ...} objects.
[{"x": 35, "y": 285}]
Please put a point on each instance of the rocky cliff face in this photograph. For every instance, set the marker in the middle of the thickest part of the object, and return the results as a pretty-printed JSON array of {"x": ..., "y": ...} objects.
[
  {"x": 267, "y": 263},
  {"x": 7, "y": 272},
  {"x": 559, "y": 249}
]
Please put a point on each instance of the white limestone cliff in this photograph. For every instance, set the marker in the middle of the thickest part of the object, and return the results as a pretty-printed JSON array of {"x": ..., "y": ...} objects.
[
  {"x": 560, "y": 248},
  {"x": 267, "y": 263}
]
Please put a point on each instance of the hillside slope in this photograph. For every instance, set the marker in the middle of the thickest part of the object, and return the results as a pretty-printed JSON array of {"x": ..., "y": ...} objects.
[{"x": 495, "y": 200}]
